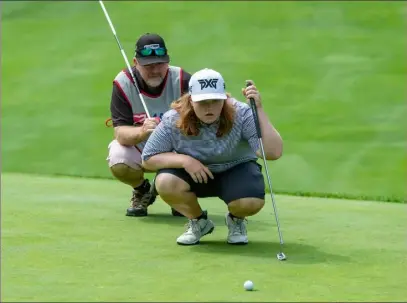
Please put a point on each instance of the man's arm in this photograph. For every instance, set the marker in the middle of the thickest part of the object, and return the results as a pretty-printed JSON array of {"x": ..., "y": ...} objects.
[
  {"x": 129, "y": 135},
  {"x": 122, "y": 117}
]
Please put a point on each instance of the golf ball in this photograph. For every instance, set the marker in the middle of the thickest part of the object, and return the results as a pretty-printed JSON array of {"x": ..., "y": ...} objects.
[{"x": 248, "y": 285}]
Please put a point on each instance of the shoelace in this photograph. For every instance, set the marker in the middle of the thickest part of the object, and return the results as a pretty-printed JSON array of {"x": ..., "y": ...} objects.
[
  {"x": 140, "y": 199},
  {"x": 238, "y": 226},
  {"x": 192, "y": 226}
]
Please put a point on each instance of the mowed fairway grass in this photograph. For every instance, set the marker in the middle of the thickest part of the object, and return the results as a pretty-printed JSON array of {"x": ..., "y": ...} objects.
[
  {"x": 332, "y": 76},
  {"x": 67, "y": 239}
]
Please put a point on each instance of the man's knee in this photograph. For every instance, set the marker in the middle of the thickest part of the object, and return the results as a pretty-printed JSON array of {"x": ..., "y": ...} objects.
[
  {"x": 121, "y": 170},
  {"x": 120, "y": 154},
  {"x": 169, "y": 184},
  {"x": 246, "y": 206}
]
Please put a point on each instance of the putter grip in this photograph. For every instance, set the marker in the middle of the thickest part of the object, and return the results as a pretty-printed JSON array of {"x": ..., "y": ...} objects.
[{"x": 255, "y": 114}]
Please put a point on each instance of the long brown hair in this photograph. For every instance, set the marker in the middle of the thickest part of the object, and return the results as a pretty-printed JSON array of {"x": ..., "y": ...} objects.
[{"x": 188, "y": 122}]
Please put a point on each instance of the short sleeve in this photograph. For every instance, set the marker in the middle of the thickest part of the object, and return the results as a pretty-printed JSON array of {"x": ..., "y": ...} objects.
[
  {"x": 249, "y": 128},
  {"x": 160, "y": 140},
  {"x": 120, "y": 109},
  {"x": 185, "y": 82}
]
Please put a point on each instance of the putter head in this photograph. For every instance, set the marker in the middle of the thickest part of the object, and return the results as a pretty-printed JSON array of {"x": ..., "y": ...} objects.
[{"x": 281, "y": 256}]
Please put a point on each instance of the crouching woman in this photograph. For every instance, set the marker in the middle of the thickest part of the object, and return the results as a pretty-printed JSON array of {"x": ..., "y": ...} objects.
[{"x": 207, "y": 146}]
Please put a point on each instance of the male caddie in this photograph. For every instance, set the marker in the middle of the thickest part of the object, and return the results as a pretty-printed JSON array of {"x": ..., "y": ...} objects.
[{"x": 160, "y": 84}]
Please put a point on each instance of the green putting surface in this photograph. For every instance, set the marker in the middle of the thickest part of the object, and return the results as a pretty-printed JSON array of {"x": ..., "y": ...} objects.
[{"x": 67, "y": 239}]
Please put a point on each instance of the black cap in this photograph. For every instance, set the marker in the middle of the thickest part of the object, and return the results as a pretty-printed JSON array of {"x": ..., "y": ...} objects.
[{"x": 151, "y": 41}]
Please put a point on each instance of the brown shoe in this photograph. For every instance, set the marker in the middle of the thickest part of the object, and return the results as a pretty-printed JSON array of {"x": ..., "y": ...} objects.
[{"x": 141, "y": 199}]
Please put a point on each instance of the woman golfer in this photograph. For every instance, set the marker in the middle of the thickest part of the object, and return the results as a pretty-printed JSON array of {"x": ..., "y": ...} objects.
[{"x": 207, "y": 146}]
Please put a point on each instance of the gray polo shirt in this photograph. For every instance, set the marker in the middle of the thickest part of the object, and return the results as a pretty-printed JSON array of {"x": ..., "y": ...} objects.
[{"x": 219, "y": 154}]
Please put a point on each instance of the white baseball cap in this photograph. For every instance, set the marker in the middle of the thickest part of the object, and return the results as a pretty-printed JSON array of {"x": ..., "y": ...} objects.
[{"x": 207, "y": 84}]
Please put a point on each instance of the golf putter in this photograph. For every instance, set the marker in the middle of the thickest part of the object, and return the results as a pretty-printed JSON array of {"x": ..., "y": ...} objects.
[{"x": 280, "y": 256}]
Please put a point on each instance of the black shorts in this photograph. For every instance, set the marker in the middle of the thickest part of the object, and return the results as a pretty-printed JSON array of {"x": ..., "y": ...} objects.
[{"x": 244, "y": 180}]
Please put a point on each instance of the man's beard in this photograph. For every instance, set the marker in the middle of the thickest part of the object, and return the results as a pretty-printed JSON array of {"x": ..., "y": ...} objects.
[{"x": 155, "y": 82}]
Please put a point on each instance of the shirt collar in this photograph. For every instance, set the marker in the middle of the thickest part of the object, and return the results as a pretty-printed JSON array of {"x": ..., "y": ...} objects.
[{"x": 205, "y": 125}]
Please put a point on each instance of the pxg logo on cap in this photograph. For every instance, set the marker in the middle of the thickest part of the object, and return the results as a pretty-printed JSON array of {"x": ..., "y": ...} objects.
[{"x": 207, "y": 84}]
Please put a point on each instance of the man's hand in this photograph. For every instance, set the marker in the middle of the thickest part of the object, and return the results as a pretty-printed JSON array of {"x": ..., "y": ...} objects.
[
  {"x": 252, "y": 92},
  {"x": 148, "y": 126},
  {"x": 197, "y": 170}
]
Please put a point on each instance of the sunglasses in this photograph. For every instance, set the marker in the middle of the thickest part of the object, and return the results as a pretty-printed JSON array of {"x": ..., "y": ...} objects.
[{"x": 161, "y": 51}]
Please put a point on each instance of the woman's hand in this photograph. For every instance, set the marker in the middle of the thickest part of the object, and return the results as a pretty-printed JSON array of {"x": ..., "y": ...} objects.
[
  {"x": 197, "y": 170},
  {"x": 252, "y": 92}
]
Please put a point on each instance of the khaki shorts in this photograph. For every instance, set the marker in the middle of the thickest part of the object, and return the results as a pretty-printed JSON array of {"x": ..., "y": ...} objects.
[{"x": 128, "y": 155}]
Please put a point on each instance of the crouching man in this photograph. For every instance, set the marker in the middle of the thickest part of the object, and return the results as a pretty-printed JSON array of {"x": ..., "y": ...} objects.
[{"x": 160, "y": 84}]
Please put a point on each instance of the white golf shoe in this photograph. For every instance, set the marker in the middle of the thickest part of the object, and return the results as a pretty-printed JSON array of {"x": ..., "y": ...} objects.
[
  {"x": 196, "y": 230},
  {"x": 237, "y": 230}
]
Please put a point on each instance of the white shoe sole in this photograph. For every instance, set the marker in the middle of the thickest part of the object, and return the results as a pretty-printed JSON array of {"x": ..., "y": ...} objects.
[{"x": 238, "y": 243}]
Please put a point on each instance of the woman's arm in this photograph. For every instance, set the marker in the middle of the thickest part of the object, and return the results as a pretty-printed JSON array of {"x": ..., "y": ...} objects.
[
  {"x": 159, "y": 153},
  {"x": 272, "y": 141},
  {"x": 164, "y": 160},
  {"x": 159, "y": 150},
  {"x": 199, "y": 172}
]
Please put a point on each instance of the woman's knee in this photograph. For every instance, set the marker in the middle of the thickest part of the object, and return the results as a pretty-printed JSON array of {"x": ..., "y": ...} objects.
[
  {"x": 246, "y": 206},
  {"x": 169, "y": 184}
]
